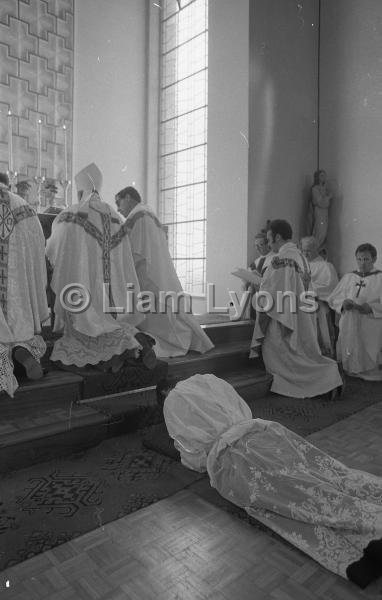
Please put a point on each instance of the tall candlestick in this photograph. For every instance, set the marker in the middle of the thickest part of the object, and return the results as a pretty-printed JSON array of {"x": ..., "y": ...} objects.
[
  {"x": 65, "y": 151},
  {"x": 39, "y": 139},
  {"x": 10, "y": 142}
]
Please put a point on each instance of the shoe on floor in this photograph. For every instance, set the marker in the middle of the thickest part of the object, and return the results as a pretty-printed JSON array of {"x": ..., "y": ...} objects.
[{"x": 33, "y": 369}]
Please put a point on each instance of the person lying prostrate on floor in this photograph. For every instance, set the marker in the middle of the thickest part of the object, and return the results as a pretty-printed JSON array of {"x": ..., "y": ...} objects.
[{"x": 327, "y": 510}]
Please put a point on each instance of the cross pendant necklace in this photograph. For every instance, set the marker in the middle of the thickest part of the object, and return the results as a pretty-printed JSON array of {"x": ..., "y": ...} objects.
[{"x": 360, "y": 285}]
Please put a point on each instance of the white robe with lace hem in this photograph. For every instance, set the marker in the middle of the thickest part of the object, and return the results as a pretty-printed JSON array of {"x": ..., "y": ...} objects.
[
  {"x": 76, "y": 250},
  {"x": 317, "y": 503},
  {"x": 175, "y": 333}
]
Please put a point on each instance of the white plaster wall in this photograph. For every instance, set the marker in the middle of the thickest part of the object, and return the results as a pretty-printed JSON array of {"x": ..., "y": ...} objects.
[
  {"x": 109, "y": 91},
  {"x": 283, "y": 112},
  {"x": 351, "y": 123},
  {"x": 227, "y": 187}
]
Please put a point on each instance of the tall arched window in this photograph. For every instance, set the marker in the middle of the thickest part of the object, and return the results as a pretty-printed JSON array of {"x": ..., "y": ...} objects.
[{"x": 183, "y": 136}]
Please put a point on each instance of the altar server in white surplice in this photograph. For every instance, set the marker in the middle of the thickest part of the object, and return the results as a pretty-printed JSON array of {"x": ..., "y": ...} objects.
[
  {"x": 324, "y": 280},
  {"x": 327, "y": 510},
  {"x": 23, "y": 302},
  {"x": 88, "y": 247},
  {"x": 358, "y": 299},
  {"x": 175, "y": 333},
  {"x": 286, "y": 328}
]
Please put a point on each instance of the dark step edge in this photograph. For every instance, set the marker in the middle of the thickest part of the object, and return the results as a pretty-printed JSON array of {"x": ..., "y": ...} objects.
[
  {"x": 52, "y": 429},
  {"x": 228, "y": 324},
  {"x": 240, "y": 380},
  {"x": 48, "y": 381},
  {"x": 231, "y": 349},
  {"x": 123, "y": 404},
  {"x": 119, "y": 395},
  {"x": 51, "y": 447}
]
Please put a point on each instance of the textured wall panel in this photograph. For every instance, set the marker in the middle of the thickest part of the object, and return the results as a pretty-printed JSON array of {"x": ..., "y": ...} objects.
[{"x": 36, "y": 81}]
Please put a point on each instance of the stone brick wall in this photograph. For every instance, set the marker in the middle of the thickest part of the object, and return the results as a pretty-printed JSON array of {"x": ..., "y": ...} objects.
[{"x": 36, "y": 81}]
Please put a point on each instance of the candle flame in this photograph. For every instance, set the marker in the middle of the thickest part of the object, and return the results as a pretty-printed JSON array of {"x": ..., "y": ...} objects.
[
  {"x": 9, "y": 113},
  {"x": 39, "y": 121},
  {"x": 64, "y": 126}
]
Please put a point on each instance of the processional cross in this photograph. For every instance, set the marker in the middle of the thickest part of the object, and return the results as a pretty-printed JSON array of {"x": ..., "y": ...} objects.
[{"x": 360, "y": 285}]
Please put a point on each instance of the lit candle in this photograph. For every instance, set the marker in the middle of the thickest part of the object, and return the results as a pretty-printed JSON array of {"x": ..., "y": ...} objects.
[
  {"x": 39, "y": 140},
  {"x": 65, "y": 151},
  {"x": 10, "y": 142}
]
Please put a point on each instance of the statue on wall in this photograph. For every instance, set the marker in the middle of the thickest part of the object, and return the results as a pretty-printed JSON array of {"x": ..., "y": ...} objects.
[{"x": 319, "y": 204}]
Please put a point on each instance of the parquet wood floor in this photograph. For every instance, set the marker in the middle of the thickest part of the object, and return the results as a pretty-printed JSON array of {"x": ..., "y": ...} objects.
[{"x": 183, "y": 548}]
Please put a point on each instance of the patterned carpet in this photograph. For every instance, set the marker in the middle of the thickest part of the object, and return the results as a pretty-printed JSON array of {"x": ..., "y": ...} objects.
[{"x": 50, "y": 503}]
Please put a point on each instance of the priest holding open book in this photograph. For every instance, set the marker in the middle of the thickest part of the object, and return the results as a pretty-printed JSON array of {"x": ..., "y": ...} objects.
[
  {"x": 286, "y": 330},
  {"x": 252, "y": 276}
]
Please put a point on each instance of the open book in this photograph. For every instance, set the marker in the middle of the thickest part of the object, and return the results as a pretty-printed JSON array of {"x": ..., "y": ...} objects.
[{"x": 247, "y": 275}]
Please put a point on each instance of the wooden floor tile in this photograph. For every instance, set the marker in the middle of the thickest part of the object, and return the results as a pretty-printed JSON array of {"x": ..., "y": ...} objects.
[{"x": 183, "y": 548}]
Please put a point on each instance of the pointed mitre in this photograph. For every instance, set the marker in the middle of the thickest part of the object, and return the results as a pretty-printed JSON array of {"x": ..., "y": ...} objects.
[{"x": 89, "y": 179}]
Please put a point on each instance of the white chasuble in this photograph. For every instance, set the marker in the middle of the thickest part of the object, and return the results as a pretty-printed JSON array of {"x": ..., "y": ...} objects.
[
  {"x": 23, "y": 283},
  {"x": 359, "y": 345},
  {"x": 321, "y": 506},
  {"x": 175, "y": 332},
  {"x": 287, "y": 333},
  {"x": 89, "y": 247}
]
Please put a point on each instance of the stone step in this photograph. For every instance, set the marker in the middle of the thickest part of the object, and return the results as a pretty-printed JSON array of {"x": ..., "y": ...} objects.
[
  {"x": 230, "y": 331},
  {"x": 224, "y": 358},
  {"x": 48, "y": 434},
  {"x": 250, "y": 383},
  {"x": 66, "y": 412},
  {"x": 56, "y": 388},
  {"x": 43, "y": 433}
]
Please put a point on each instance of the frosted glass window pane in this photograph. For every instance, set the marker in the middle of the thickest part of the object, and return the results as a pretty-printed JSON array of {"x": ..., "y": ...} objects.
[
  {"x": 183, "y": 136},
  {"x": 183, "y": 204},
  {"x": 184, "y": 131},
  {"x": 188, "y": 240},
  {"x": 185, "y": 60},
  {"x": 184, "y": 96}
]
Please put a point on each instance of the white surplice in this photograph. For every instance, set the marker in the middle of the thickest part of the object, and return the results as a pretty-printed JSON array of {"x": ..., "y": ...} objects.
[
  {"x": 289, "y": 343},
  {"x": 359, "y": 345},
  {"x": 324, "y": 280},
  {"x": 317, "y": 503},
  {"x": 23, "y": 280},
  {"x": 324, "y": 277},
  {"x": 175, "y": 333},
  {"x": 88, "y": 246}
]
